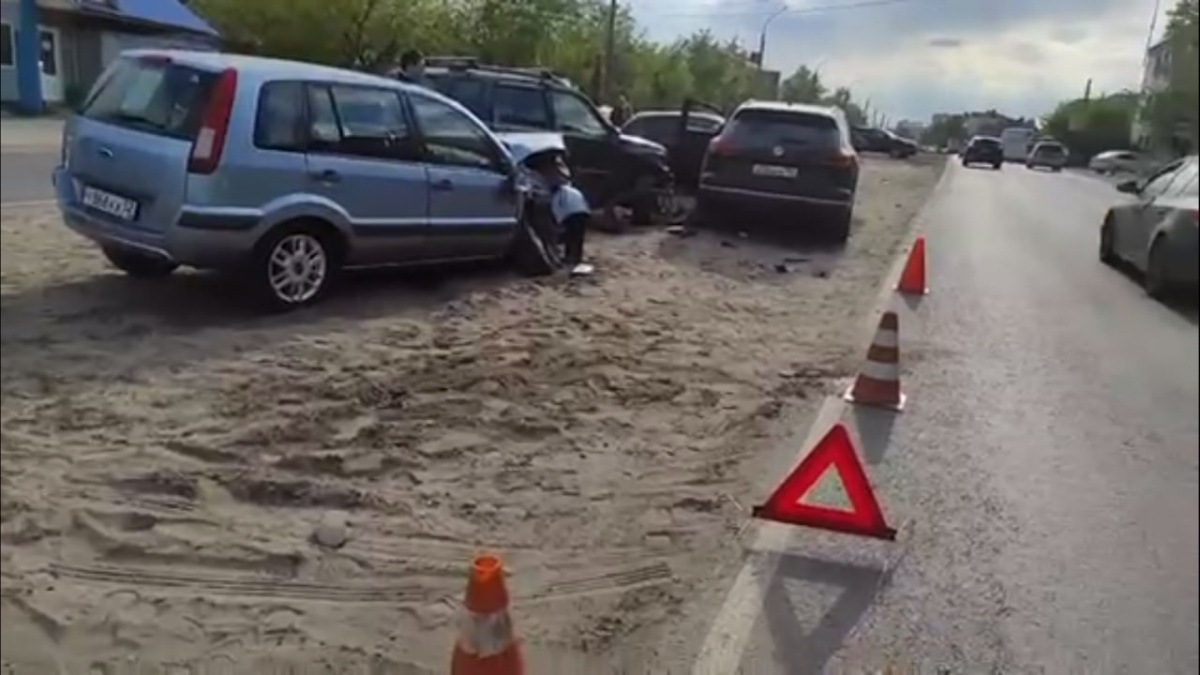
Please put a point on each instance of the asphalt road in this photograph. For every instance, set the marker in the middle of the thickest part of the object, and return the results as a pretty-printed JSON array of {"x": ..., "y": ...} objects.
[
  {"x": 25, "y": 173},
  {"x": 1043, "y": 474}
]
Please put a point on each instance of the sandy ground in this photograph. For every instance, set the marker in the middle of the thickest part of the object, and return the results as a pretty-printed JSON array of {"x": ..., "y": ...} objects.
[
  {"x": 167, "y": 454},
  {"x": 30, "y": 134}
]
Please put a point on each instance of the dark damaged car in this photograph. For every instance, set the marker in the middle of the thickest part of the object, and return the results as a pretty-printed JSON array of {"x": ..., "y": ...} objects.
[{"x": 612, "y": 168}]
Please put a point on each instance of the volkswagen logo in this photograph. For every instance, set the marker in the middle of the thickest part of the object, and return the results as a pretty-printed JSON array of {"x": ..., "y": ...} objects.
[{"x": 777, "y": 151}]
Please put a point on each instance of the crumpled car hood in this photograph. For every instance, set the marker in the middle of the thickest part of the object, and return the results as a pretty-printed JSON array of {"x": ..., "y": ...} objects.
[{"x": 524, "y": 144}]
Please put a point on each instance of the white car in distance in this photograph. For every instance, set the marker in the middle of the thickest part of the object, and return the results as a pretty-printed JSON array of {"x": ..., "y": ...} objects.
[{"x": 1117, "y": 161}]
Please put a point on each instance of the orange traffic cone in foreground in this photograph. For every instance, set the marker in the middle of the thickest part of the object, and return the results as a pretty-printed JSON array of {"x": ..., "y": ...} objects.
[
  {"x": 912, "y": 279},
  {"x": 878, "y": 383},
  {"x": 487, "y": 644}
]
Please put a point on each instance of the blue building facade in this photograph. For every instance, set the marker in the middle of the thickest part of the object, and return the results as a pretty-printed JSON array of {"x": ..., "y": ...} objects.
[{"x": 53, "y": 50}]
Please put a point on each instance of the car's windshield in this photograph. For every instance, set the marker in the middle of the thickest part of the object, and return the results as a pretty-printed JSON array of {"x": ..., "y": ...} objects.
[
  {"x": 573, "y": 113},
  {"x": 151, "y": 94},
  {"x": 755, "y": 127},
  {"x": 654, "y": 127}
]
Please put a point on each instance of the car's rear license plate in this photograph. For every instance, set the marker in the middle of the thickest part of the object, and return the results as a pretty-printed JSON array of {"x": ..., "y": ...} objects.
[
  {"x": 106, "y": 202},
  {"x": 774, "y": 171}
]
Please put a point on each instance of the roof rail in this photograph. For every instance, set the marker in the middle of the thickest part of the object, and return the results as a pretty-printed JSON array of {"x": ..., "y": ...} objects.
[
  {"x": 461, "y": 62},
  {"x": 472, "y": 63}
]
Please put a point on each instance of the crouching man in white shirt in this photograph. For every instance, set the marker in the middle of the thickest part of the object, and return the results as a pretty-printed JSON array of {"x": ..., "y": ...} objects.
[{"x": 569, "y": 208}]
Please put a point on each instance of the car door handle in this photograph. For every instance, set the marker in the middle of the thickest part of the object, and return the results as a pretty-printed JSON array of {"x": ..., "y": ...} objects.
[
  {"x": 326, "y": 176},
  {"x": 444, "y": 185}
]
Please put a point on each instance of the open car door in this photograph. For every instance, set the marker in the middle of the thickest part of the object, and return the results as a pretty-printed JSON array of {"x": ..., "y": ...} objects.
[{"x": 687, "y": 153}]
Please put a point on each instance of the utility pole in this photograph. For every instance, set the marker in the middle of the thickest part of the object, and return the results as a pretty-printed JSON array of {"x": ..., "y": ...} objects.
[
  {"x": 610, "y": 52},
  {"x": 1087, "y": 91},
  {"x": 762, "y": 35},
  {"x": 1150, "y": 31}
]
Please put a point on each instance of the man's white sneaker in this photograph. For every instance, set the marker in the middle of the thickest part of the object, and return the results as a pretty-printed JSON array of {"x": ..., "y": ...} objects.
[{"x": 582, "y": 270}]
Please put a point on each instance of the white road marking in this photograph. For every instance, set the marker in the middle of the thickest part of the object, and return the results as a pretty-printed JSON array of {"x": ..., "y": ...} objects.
[
  {"x": 722, "y": 650},
  {"x": 721, "y": 653},
  {"x": 28, "y": 204},
  {"x": 46, "y": 148}
]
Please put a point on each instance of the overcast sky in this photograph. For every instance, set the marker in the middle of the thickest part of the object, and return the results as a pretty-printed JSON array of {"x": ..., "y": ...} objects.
[{"x": 917, "y": 57}]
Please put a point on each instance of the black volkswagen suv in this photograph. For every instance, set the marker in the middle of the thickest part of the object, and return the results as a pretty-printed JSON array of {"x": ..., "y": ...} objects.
[
  {"x": 610, "y": 167},
  {"x": 984, "y": 150},
  {"x": 783, "y": 160}
]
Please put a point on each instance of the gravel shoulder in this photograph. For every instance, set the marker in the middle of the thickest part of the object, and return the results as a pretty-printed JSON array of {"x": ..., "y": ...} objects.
[{"x": 167, "y": 456}]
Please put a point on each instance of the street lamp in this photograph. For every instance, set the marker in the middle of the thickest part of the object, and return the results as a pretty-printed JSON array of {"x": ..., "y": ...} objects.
[{"x": 762, "y": 36}]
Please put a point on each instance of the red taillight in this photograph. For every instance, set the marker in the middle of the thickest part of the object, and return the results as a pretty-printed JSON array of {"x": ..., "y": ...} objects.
[
  {"x": 718, "y": 146},
  {"x": 1195, "y": 216},
  {"x": 214, "y": 125},
  {"x": 843, "y": 160}
]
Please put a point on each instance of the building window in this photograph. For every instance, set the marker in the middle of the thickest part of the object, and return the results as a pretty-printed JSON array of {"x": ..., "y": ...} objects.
[{"x": 8, "y": 48}]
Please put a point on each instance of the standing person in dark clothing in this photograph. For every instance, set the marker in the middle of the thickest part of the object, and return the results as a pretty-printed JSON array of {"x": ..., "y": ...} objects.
[
  {"x": 622, "y": 111},
  {"x": 412, "y": 66}
]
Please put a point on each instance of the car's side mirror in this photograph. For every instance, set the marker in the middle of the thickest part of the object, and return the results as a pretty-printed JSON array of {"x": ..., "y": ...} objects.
[{"x": 1129, "y": 187}]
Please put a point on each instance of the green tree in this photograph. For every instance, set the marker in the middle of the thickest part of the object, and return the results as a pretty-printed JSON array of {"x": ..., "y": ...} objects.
[
  {"x": 567, "y": 36},
  {"x": 843, "y": 98},
  {"x": 802, "y": 86},
  {"x": 1089, "y": 126}
]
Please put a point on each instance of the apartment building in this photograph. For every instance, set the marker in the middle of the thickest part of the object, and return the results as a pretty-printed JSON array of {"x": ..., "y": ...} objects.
[{"x": 1156, "y": 76}]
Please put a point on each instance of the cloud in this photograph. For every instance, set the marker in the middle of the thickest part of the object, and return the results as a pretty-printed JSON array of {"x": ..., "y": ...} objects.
[
  {"x": 917, "y": 57},
  {"x": 1068, "y": 35},
  {"x": 945, "y": 43}
]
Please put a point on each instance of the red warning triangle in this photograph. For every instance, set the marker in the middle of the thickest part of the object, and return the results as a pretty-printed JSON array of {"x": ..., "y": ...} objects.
[{"x": 836, "y": 450}]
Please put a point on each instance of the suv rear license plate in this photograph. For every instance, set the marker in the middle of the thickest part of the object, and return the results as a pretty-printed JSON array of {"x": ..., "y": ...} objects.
[
  {"x": 775, "y": 171},
  {"x": 106, "y": 202}
]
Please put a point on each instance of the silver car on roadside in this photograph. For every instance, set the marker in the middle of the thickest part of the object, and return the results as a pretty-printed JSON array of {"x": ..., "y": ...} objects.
[
  {"x": 1156, "y": 233},
  {"x": 1117, "y": 161},
  {"x": 285, "y": 173},
  {"x": 1048, "y": 154}
]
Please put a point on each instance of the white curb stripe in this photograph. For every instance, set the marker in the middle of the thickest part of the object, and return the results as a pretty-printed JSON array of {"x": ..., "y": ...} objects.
[{"x": 721, "y": 653}]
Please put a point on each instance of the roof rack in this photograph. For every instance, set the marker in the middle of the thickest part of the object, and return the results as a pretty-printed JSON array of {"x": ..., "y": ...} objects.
[
  {"x": 472, "y": 63},
  {"x": 456, "y": 62}
]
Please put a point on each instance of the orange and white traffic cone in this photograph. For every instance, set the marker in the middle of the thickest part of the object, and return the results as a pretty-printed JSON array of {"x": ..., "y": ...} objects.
[
  {"x": 878, "y": 383},
  {"x": 912, "y": 279},
  {"x": 487, "y": 643}
]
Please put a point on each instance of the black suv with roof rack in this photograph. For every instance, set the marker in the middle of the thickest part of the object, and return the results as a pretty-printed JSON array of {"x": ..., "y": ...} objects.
[{"x": 610, "y": 167}]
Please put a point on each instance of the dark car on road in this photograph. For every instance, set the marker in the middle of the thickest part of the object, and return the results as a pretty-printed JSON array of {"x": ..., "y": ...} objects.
[
  {"x": 684, "y": 133},
  {"x": 1156, "y": 232},
  {"x": 870, "y": 139},
  {"x": 610, "y": 167},
  {"x": 984, "y": 150},
  {"x": 782, "y": 159}
]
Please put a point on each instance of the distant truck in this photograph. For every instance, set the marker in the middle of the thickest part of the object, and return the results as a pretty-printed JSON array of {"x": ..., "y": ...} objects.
[{"x": 1016, "y": 142}]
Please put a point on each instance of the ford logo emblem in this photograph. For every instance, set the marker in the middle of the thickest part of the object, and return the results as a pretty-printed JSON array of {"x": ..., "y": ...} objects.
[{"x": 778, "y": 151}]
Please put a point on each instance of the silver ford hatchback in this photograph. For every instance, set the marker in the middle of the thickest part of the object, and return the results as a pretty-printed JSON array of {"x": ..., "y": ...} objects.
[{"x": 285, "y": 173}]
